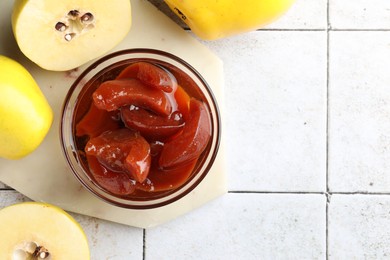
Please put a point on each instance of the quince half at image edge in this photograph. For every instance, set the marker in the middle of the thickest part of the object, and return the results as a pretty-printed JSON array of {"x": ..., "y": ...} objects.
[
  {"x": 35, "y": 230},
  {"x": 25, "y": 114}
]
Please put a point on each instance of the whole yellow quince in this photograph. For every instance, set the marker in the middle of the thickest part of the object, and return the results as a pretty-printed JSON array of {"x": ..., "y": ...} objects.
[
  {"x": 214, "y": 19},
  {"x": 25, "y": 115}
]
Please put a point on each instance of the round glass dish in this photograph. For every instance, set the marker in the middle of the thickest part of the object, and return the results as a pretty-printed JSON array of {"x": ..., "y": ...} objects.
[{"x": 79, "y": 99}]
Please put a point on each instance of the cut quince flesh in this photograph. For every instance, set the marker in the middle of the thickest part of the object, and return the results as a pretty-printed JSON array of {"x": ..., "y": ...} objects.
[
  {"x": 63, "y": 35},
  {"x": 35, "y": 230}
]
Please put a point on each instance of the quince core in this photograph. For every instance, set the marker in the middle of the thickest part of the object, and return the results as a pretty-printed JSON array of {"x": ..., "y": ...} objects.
[{"x": 63, "y": 35}]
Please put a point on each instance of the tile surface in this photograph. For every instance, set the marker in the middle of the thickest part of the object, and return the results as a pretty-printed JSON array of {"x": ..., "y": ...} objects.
[
  {"x": 276, "y": 110},
  {"x": 109, "y": 240},
  {"x": 307, "y": 123},
  {"x": 359, "y": 14},
  {"x": 304, "y": 14},
  {"x": 359, "y": 112},
  {"x": 247, "y": 226},
  {"x": 358, "y": 227}
]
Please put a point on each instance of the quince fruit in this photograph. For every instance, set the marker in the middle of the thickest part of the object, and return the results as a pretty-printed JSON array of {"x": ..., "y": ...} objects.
[
  {"x": 211, "y": 20},
  {"x": 63, "y": 35},
  {"x": 25, "y": 115},
  {"x": 35, "y": 230}
]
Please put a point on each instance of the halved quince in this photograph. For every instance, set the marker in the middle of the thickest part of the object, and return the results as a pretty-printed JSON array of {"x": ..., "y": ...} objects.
[
  {"x": 62, "y": 35},
  {"x": 35, "y": 230}
]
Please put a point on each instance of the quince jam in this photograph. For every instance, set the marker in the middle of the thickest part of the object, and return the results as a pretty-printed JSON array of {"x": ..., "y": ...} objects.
[{"x": 141, "y": 128}]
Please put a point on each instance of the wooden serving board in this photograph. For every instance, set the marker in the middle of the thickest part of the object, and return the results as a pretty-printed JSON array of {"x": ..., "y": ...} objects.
[{"x": 44, "y": 174}]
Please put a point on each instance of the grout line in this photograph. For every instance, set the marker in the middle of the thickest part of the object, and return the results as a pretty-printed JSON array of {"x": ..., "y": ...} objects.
[
  {"x": 144, "y": 244},
  {"x": 329, "y": 29},
  {"x": 327, "y": 97},
  {"x": 275, "y": 192},
  {"x": 328, "y": 194},
  {"x": 361, "y": 193},
  {"x": 359, "y": 30},
  {"x": 292, "y": 30},
  {"x": 7, "y": 189}
]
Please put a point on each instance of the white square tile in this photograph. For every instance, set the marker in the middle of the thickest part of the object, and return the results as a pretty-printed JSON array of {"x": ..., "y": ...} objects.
[
  {"x": 359, "y": 14},
  {"x": 245, "y": 226},
  {"x": 8, "y": 197},
  {"x": 108, "y": 240},
  {"x": 275, "y": 110},
  {"x": 359, "y": 227},
  {"x": 304, "y": 14},
  {"x": 359, "y": 111}
]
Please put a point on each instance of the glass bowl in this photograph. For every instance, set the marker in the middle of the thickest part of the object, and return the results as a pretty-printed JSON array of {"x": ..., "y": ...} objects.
[{"x": 79, "y": 99}]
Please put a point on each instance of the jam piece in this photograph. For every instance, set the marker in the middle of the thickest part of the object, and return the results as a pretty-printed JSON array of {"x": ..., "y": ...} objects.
[
  {"x": 113, "y": 94},
  {"x": 150, "y": 75},
  {"x": 150, "y": 125},
  {"x": 97, "y": 121},
  {"x": 192, "y": 141},
  {"x": 122, "y": 150},
  {"x": 130, "y": 72},
  {"x": 186, "y": 82},
  {"x": 183, "y": 101},
  {"x": 118, "y": 183},
  {"x": 164, "y": 180}
]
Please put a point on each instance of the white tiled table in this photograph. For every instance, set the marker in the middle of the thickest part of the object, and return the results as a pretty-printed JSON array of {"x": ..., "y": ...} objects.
[{"x": 308, "y": 145}]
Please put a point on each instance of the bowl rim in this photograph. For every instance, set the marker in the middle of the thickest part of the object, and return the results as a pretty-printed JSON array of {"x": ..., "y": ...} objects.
[{"x": 214, "y": 117}]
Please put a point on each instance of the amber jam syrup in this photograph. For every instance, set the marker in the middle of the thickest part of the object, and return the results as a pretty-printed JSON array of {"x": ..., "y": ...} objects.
[{"x": 161, "y": 186}]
